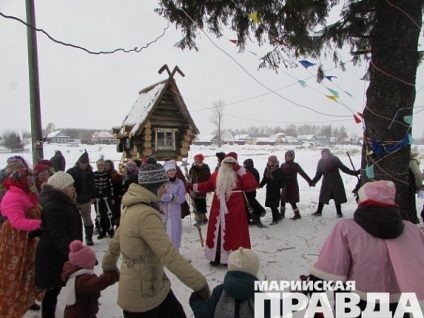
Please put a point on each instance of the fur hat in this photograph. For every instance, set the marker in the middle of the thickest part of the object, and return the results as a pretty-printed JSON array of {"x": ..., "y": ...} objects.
[
  {"x": 382, "y": 191},
  {"x": 84, "y": 158},
  {"x": 152, "y": 175},
  {"x": 230, "y": 157},
  {"x": 199, "y": 157},
  {"x": 244, "y": 260},
  {"x": 60, "y": 180},
  {"x": 13, "y": 165},
  {"x": 169, "y": 165},
  {"x": 220, "y": 155},
  {"x": 273, "y": 159},
  {"x": 81, "y": 256}
]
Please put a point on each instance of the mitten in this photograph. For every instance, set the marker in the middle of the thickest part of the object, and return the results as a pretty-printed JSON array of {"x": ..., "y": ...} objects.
[
  {"x": 167, "y": 197},
  {"x": 204, "y": 292}
]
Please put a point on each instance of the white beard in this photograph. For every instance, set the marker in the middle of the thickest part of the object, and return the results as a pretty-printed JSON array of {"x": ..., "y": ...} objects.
[{"x": 226, "y": 181}]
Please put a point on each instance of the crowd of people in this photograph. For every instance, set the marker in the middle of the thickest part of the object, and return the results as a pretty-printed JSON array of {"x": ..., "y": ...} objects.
[{"x": 46, "y": 211}]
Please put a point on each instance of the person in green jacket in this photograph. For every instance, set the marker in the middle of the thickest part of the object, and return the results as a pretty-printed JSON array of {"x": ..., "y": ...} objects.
[
  {"x": 235, "y": 297},
  {"x": 144, "y": 289}
]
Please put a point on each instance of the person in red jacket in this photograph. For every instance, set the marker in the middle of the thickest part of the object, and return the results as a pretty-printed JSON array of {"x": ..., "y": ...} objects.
[
  {"x": 82, "y": 284},
  {"x": 228, "y": 225}
]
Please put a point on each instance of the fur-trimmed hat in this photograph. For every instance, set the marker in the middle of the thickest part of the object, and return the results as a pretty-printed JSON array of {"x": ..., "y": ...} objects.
[
  {"x": 84, "y": 157},
  {"x": 244, "y": 260},
  {"x": 60, "y": 180},
  {"x": 81, "y": 256},
  {"x": 230, "y": 157},
  {"x": 382, "y": 191},
  {"x": 152, "y": 175},
  {"x": 169, "y": 165}
]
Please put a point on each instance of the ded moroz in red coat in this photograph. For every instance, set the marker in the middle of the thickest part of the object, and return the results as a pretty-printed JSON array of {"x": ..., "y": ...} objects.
[{"x": 233, "y": 222}]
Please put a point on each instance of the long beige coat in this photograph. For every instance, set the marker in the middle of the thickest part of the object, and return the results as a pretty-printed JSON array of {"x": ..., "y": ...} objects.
[{"x": 145, "y": 249}]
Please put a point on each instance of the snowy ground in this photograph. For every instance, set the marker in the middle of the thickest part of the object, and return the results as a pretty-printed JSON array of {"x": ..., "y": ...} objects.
[{"x": 286, "y": 250}]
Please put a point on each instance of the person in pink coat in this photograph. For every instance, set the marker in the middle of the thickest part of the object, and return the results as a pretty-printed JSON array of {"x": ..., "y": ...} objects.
[
  {"x": 376, "y": 249},
  {"x": 170, "y": 204},
  {"x": 228, "y": 225},
  {"x": 22, "y": 214}
]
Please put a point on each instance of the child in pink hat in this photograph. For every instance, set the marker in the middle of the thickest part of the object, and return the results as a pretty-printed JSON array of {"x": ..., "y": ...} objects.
[{"x": 82, "y": 284}]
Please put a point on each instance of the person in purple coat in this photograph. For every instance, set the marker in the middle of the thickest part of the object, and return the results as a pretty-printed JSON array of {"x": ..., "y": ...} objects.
[
  {"x": 170, "y": 204},
  {"x": 290, "y": 192}
]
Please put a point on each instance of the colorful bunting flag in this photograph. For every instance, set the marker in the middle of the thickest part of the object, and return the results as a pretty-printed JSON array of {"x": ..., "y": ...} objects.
[
  {"x": 408, "y": 120},
  {"x": 254, "y": 17},
  {"x": 335, "y": 93},
  {"x": 369, "y": 171},
  {"x": 360, "y": 114},
  {"x": 357, "y": 119},
  {"x": 332, "y": 97},
  {"x": 302, "y": 83},
  {"x": 411, "y": 139},
  {"x": 330, "y": 77},
  {"x": 306, "y": 63},
  {"x": 348, "y": 94},
  {"x": 234, "y": 41},
  {"x": 252, "y": 53}
]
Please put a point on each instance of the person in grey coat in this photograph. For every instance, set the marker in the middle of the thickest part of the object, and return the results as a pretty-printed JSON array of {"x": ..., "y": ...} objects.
[{"x": 332, "y": 186}]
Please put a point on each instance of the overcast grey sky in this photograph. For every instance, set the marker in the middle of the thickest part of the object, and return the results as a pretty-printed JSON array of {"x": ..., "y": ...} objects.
[{"x": 81, "y": 90}]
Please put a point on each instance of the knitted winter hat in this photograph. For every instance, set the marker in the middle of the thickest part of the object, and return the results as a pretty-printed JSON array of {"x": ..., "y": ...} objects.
[
  {"x": 40, "y": 167},
  {"x": 169, "y": 165},
  {"x": 382, "y": 191},
  {"x": 199, "y": 157},
  {"x": 60, "y": 180},
  {"x": 81, "y": 256},
  {"x": 152, "y": 175},
  {"x": 273, "y": 159},
  {"x": 84, "y": 158},
  {"x": 230, "y": 157},
  {"x": 244, "y": 260},
  {"x": 46, "y": 162},
  {"x": 13, "y": 165},
  {"x": 248, "y": 163}
]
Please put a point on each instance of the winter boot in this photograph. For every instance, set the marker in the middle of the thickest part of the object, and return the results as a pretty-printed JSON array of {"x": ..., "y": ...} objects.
[
  {"x": 318, "y": 212},
  {"x": 204, "y": 219},
  {"x": 283, "y": 212},
  {"x": 256, "y": 220},
  {"x": 217, "y": 259},
  {"x": 198, "y": 218},
  {"x": 276, "y": 217},
  {"x": 296, "y": 215},
  {"x": 339, "y": 210},
  {"x": 89, "y": 235}
]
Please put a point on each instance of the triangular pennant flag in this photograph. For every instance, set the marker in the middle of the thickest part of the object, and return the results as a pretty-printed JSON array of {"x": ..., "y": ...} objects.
[
  {"x": 348, "y": 94},
  {"x": 408, "y": 120},
  {"x": 254, "y": 17},
  {"x": 332, "y": 97},
  {"x": 306, "y": 63},
  {"x": 369, "y": 171},
  {"x": 360, "y": 114},
  {"x": 252, "y": 53},
  {"x": 335, "y": 93},
  {"x": 357, "y": 119},
  {"x": 303, "y": 83},
  {"x": 330, "y": 77},
  {"x": 411, "y": 140},
  {"x": 234, "y": 41}
]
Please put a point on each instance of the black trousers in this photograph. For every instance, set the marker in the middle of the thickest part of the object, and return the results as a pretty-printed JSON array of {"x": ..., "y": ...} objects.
[
  {"x": 169, "y": 308},
  {"x": 48, "y": 305}
]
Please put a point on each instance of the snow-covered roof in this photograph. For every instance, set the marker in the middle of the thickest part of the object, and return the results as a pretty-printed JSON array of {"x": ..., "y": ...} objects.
[
  {"x": 305, "y": 137},
  {"x": 142, "y": 107},
  {"x": 102, "y": 134},
  {"x": 57, "y": 133}
]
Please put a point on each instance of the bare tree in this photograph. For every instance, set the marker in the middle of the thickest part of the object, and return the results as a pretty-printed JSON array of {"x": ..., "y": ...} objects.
[
  {"x": 217, "y": 118},
  {"x": 12, "y": 140}
]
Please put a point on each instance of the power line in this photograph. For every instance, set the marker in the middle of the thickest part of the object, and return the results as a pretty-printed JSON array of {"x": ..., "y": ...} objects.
[{"x": 134, "y": 50}]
